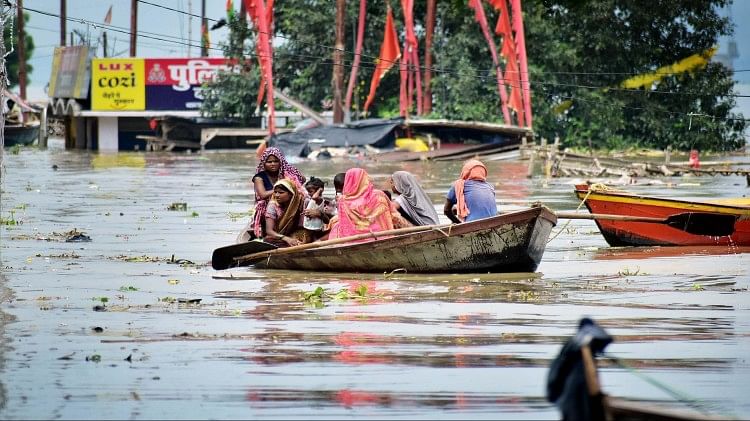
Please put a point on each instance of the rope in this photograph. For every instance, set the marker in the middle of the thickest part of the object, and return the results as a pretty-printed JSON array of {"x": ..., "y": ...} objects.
[
  {"x": 598, "y": 187},
  {"x": 694, "y": 403}
]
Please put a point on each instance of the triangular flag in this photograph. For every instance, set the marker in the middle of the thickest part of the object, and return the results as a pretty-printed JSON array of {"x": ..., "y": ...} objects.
[
  {"x": 389, "y": 53},
  {"x": 108, "y": 16}
]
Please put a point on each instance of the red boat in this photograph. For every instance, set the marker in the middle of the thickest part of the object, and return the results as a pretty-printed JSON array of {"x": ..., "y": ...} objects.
[{"x": 724, "y": 222}]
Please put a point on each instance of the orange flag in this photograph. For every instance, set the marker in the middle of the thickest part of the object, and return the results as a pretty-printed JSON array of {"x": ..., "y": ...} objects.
[
  {"x": 389, "y": 53},
  {"x": 108, "y": 16}
]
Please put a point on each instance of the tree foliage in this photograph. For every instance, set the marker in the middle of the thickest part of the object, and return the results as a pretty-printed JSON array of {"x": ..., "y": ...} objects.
[
  {"x": 579, "y": 52},
  {"x": 10, "y": 35}
]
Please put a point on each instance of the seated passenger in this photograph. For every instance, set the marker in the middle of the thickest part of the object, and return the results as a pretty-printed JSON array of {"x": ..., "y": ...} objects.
[
  {"x": 362, "y": 208},
  {"x": 284, "y": 215},
  {"x": 473, "y": 197},
  {"x": 412, "y": 201},
  {"x": 319, "y": 210},
  {"x": 272, "y": 166}
]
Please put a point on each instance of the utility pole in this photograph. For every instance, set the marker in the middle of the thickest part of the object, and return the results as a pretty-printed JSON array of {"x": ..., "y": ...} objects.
[
  {"x": 338, "y": 63},
  {"x": 190, "y": 27},
  {"x": 63, "y": 19},
  {"x": 21, "y": 48},
  {"x": 204, "y": 30},
  {"x": 133, "y": 25},
  {"x": 104, "y": 43}
]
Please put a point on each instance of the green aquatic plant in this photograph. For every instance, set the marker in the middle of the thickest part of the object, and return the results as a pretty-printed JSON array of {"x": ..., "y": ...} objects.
[
  {"x": 628, "y": 272},
  {"x": 698, "y": 287},
  {"x": 128, "y": 288},
  {"x": 10, "y": 220},
  {"x": 178, "y": 206},
  {"x": 233, "y": 216}
]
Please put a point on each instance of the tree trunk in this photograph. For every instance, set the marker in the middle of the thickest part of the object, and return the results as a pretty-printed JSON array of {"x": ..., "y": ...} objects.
[
  {"x": 357, "y": 54},
  {"x": 338, "y": 63}
]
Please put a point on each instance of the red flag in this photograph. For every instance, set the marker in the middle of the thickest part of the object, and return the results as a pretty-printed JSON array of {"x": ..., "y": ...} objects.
[
  {"x": 389, "y": 53},
  {"x": 108, "y": 16},
  {"x": 262, "y": 16},
  {"x": 230, "y": 10},
  {"x": 512, "y": 73},
  {"x": 482, "y": 20}
]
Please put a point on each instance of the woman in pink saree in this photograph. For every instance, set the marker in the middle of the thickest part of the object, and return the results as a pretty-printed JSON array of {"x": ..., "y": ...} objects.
[{"x": 362, "y": 208}]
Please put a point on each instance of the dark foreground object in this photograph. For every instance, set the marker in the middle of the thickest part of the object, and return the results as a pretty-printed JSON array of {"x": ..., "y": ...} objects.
[
  {"x": 512, "y": 242},
  {"x": 573, "y": 384}
]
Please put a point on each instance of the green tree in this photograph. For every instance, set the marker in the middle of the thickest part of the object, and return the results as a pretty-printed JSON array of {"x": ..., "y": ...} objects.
[
  {"x": 579, "y": 52},
  {"x": 10, "y": 35},
  {"x": 234, "y": 94}
]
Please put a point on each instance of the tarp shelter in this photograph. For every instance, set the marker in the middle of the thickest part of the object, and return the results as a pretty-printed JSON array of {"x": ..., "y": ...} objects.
[{"x": 379, "y": 133}]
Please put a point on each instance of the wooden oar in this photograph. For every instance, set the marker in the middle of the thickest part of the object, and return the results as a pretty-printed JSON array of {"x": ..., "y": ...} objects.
[
  {"x": 698, "y": 223},
  {"x": 224, "y": 257},
  {"x": 285, "y": 250}
]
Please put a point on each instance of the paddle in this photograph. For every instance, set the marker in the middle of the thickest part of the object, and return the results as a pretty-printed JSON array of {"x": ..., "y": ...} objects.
[
  {"x": 698, "y": 223},
  {"x": 224, "y": 257},
  {"x": 285, "y": 250}
]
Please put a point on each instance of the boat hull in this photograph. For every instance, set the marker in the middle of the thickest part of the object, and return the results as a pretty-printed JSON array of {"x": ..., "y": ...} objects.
[
  {"x": 627, "y": 233},
  {"x": 512, "y": 242},
  {"x": 20, "y": 135}
]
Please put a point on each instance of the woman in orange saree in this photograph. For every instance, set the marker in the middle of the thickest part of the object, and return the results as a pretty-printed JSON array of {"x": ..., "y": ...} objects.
[{"x": 362, "y": 208}]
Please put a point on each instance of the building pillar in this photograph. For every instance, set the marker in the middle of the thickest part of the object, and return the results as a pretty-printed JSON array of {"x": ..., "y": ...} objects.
[{"x": 107, "y": 134}]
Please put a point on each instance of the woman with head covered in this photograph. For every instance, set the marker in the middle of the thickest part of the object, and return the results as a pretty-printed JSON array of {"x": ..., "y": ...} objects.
[
  {"x": 361, "y": 207},
  {"x": 412, "y": 201},
  {"x": 472, "y": 196}
]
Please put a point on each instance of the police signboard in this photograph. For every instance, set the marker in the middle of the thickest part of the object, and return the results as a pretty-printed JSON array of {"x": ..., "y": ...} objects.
[
  {"x": 117, "y": 84},
  {"x": 175, "y": 83}
]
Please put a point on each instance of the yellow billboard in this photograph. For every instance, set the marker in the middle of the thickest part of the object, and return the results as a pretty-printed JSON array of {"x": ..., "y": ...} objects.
[{"x": 118, "y": 84}]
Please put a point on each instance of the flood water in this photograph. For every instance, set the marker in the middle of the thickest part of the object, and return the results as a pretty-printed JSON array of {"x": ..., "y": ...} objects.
[{"x": 179, "y": 340}]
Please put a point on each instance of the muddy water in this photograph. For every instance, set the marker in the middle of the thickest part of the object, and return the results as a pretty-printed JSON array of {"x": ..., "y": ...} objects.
[{"x": 412, "y": 346}]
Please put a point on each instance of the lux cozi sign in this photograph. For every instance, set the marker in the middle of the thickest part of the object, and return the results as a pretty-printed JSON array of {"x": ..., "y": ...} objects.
[
  {"x": 152, "y": 83},
  {"x": 117, "y": 84}
]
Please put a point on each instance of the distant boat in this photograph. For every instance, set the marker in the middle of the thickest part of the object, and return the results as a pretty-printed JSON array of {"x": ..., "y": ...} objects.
[
  {"x": 22, "y": 121},
  {"x": 20, "y": 134},
  {"x": 719, "y": 222}
]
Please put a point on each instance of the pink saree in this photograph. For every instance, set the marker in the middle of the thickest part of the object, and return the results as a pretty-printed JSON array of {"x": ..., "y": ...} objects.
[{"x": 362, "y": 208}]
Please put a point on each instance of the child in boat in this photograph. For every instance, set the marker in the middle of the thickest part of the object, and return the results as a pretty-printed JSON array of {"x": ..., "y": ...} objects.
[
  {"x": 284, "y": 216},
  {"x": 471, "y": 194},
  {"x": 319, "y": 210}
]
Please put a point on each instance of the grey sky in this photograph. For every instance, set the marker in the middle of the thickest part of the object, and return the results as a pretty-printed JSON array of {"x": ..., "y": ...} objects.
[{"x": 165, "y": 32}]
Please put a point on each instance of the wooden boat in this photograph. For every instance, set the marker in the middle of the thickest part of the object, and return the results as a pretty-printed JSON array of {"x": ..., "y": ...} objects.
[
  {"x": 573, "y": 385},
  {"x": 711, "y": 223},
  {"x": 22, "y": 121},
  {"x": 511, "y": 242},
  {"x": 20, "y": 134}
]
